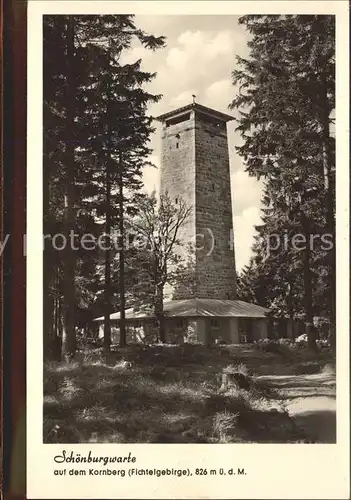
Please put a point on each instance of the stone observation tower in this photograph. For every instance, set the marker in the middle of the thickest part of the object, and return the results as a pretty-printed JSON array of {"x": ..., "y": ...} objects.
[{"x": 195, "y": 168}]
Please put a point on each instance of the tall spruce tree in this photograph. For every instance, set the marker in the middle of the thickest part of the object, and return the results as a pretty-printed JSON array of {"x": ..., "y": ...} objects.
[
  {"x": 95, "y": 112},
  {"x": 286, "y": 96}
]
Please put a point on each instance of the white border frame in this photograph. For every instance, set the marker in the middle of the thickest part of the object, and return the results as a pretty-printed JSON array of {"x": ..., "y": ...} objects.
[{"x": 273, "y": 471}]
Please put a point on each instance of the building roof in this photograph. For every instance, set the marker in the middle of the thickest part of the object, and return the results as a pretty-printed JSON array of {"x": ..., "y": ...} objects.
[
  {"x": 199, "y": 307},
  {"x": 196, "y": 107}
]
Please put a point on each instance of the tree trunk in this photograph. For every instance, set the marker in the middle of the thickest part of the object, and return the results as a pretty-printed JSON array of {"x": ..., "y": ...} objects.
[
  {"x": 328, "y": 166},
  {"x": 291, "y": 311},
  {"x": 69, "y": 334},
  {"x": 48, "y": 309},
  {"x": 159, "y": 314},
  {"x": 122, "y": 322},
  {"x": 58, "y": 317},
  {"x": 309, "y": 327},
  {"x": 48, "y": 312},
  {"x": 107, "y": 291}
]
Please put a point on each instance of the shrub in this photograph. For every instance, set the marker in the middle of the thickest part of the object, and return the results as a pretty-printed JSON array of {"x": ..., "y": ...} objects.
[
  {"x": 220, "y": 341},
  {"x": 285, "y": 341},
  {"x": 237, "y": 368},
  {"x": 224, "y": 424},
  {"x": 323, "y": 343},
  {"x": 268, "y": 345},
  {"x": 302, "y": 339}
]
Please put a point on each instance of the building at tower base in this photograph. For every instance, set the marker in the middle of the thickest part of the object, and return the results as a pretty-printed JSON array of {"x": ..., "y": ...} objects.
[{"x": 203, "y": 321}]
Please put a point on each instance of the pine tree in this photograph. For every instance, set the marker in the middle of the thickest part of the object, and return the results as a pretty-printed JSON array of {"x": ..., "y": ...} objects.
[
  {"x": 121, "y": 131},
  {"x": 285, "y": 101},
  {"x": 90, "y": 123}
]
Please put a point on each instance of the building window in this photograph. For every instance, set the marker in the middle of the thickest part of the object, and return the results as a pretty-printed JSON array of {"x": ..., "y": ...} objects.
[
  {"x": 180, "y": 323},
  {"x": 177, "y": 145},
  {"x": 215, "y": 323}
]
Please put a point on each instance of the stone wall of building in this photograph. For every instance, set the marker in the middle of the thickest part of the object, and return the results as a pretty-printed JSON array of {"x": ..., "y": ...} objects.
[
  {"x": 195, "y": 167},
  {"x": 215, "y": 266},
  {"x": 178, "y": 179}
]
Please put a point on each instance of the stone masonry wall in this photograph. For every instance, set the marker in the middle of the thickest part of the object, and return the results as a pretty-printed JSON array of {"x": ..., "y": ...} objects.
[
  {"x": 215, "y": 266},
  {"x": 195, "y": 167},
  {"x": 178, "y": 178}
]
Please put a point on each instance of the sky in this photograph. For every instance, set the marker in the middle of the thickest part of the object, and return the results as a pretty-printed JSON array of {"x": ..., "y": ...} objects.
[{"x": 199, "y": 59}]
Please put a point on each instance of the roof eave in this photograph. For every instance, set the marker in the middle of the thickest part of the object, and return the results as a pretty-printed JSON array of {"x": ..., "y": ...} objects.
[{"x": 204, "y": 109}]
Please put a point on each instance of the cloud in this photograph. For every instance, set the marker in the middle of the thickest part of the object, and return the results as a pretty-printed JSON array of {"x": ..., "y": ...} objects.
[
  {"x": 151, "y": 175},
  {"x": 134, "y": 54},
  {"x": 183, "y": 98},
  {"x": 246, "y": 191},
  {"x": 219, "y": 94},
  {"x": 244, "y": 232},
  {"x": 246, "y": 201},
  {"x": 198, "y": 49}
]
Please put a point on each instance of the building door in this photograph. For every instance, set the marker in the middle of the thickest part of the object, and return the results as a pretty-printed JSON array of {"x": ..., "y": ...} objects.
[{"x": 246, "y": 330}]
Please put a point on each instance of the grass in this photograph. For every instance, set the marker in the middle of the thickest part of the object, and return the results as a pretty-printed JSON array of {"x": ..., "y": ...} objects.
[{"x": 164, "y": 394}]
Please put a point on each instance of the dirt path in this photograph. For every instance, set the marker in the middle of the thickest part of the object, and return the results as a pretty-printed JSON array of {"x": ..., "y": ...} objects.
[{"x": 311, "y": 399}]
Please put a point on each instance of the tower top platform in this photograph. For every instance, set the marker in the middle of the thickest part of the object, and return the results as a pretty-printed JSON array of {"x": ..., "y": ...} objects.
[{"x": 196, "y": 108}]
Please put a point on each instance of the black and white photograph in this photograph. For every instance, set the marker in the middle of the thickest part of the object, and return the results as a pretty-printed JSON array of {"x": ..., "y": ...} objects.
[
  {"x": 187, "y": 259},
  {"x": 189, "y": 264}
]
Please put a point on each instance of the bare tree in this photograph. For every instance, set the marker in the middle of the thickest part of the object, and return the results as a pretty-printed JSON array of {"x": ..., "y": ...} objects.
[{"x": 158, "y": 259}]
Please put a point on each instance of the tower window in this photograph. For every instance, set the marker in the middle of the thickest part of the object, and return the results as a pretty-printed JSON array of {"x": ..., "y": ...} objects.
[
  {"x": 178, "y": 119},
  {"x": 218, "y": 125},
  {"x": 177, "y": 145}
]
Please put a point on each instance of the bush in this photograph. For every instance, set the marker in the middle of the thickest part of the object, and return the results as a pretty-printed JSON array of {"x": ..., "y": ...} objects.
[
  {"x": 302, "y": 339},
  {"x": 277, "y": 346},
  {"x": 285, "y": 341},
  {"x": 323, "y": 343},
  {"x": 237, "y": 368},
  {"x": 268, "y": 345},
  {"x": 224, "y": 425},
  {"x": 285, "y": 344}
]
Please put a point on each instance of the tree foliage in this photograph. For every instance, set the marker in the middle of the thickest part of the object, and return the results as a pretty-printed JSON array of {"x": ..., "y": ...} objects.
[
  {"x": 159, "y": 261},
  {"x": 96, "y": 130},
  {"x": 285, "y": 102}
]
